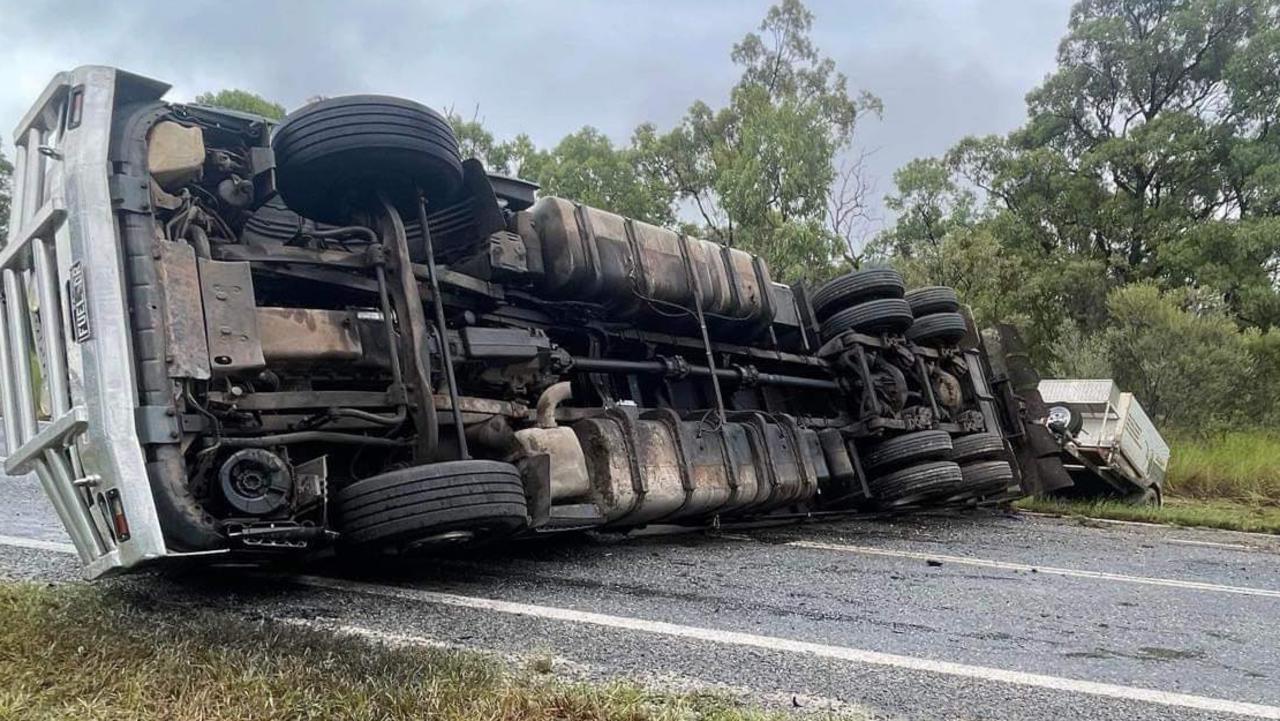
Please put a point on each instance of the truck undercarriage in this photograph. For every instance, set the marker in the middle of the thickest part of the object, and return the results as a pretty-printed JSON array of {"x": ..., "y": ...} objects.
[{"x": 337, "y": 334}]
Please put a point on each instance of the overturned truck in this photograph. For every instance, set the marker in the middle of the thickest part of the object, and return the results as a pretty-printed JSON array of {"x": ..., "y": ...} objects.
[{"x": 228, "y": 338}]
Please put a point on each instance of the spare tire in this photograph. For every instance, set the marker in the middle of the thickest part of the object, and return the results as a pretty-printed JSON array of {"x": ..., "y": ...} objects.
[
  {"x": 907, "y": 449},
  {"x": 854, "y": 287},
  {"x": 932, "y": 299},
  {"x": 977, "y": 446},
  {"x": 412, "y": 507},
  {"x": 331, "y": 155},
  {"x": 938, "y": 329},
  {"x": 917, "y": 483},
  {"x": 883, "y": 315}
]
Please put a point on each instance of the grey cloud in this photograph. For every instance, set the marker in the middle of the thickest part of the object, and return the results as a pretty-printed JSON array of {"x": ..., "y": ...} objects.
[{"x": 945, "y": 69}]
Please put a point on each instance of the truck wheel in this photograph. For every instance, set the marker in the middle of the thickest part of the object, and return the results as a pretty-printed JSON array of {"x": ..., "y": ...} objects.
[
  {"x": 938, "y": 329},
  {"x": 985, "y": 478},
  {"x": 907, "y": 449},
  {"x": 328, "y": 153},
  {"x": 933, "y": 299},
  {"x": 854, "y": 287},
  {"x": 914, "y": 484},
  {"x": 883, "y": 315},
  {"x": 414, "y": 507},
  {"x": 977, "y": 447}
]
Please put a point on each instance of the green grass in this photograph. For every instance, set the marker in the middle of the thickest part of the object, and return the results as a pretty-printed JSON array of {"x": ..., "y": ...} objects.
[
  {"x": 1240, "y": 465},
  {"x": 106, "y": 652},
  {"x": 1230, "y": 515}
]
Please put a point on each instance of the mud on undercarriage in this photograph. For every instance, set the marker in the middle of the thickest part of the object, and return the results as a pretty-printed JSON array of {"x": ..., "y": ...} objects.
[{"x": 341, "y": 334}]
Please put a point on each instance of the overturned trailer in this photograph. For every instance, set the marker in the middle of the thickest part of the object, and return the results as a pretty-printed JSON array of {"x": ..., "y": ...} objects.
[{"x": 338, "y": 335}]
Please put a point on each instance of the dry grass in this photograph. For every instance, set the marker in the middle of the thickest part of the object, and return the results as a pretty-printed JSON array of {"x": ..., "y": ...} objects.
[{"x": 83, "y": 653}]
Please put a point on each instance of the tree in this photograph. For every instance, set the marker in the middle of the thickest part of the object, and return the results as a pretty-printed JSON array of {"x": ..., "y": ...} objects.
[
  {"x": 587, "y": 167},
  {"x": 1185, "y": 363},
  {"x": 244, "y": 101},
  {"x": 1158, "y": 123},
  {"x": 759, "y": 171},
  {"x": 929, "y": 204},
  {"x": 6, "y": 190}
]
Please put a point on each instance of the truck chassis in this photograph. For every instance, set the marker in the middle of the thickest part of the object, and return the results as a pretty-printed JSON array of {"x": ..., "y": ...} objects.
[{"x": 225, "y": 339}]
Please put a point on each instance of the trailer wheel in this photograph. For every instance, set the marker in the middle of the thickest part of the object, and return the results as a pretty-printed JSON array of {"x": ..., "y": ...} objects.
[
  {"x": 883, "y": 315},
  {"x": 915, "y": 484},
  {"x": 327, "y": 153},
  {"x": 977, "y": 447},
  {"x": 1149, "y": 496},
  {"x": 938, "y": 329},
  {"x": 933, "y": 299},
  {"x": 439, "y": 502},
  {"x": 985, "y": 478},
  {"x": 855, "y": 287},
  {"x": 907, "y": 449}
]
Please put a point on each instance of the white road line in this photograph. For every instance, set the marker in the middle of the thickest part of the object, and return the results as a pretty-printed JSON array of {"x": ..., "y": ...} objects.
[
  {"x": 1044, "y": 570},
  {"x": 1213, "y": 544},
  {"x": 36, "y": 544},
  {"x": 772, "y": 643}
]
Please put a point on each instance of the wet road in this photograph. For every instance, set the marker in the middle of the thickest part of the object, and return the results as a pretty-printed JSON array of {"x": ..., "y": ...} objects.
[{"x": 962, "y": 616}]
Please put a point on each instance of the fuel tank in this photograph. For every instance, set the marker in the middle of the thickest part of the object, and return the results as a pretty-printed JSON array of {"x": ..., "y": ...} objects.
[
  {"x": 642, "y": 272},
  {"x": 660, "y": 467}
]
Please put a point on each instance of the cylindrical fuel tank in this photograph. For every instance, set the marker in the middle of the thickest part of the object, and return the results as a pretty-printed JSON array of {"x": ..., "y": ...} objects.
[
  {"x": 641, "y": 271},
  {"x": 657, "y": 466}
]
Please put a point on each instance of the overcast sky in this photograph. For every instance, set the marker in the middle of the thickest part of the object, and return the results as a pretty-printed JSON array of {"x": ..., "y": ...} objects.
[{"x": 944, "y": 68}]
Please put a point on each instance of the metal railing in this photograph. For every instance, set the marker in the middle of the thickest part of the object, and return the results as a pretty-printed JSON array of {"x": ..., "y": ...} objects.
[{"x": 64, "y": 306}]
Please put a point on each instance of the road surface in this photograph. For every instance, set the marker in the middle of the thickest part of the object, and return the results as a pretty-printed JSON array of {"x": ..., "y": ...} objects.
[{"x": 945, "y": 616}]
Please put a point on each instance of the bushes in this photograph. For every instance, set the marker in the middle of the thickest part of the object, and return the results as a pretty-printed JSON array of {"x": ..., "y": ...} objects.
[{"x": 1188, "y": 367}]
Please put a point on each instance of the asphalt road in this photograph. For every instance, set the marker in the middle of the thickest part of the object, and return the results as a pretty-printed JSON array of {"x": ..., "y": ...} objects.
[{"x": 962, "y": 616}]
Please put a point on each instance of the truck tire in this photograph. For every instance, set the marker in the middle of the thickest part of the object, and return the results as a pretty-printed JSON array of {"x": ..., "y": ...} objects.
[
  {"x": 938, "y": 329},
  {"x": 985, "y": 478},
  {"x": 882, "y": 315},
  {"x": 977, "y": 447},
  {"x": 907, "y": 449},
  {"x": 410, "y": 507},
  {"x": 860, "y": 285},
  {"x": 917, "y": 483},
  {"x": 328, "y": 153},
  {"x": 932, "y": 299}
]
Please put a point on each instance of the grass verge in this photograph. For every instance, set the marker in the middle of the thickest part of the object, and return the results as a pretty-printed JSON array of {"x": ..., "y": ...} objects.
[
  {"x": 1240, "y": 465},
  {"x": 111, "y": 653},
  {"x": 1230, "y": 515}
]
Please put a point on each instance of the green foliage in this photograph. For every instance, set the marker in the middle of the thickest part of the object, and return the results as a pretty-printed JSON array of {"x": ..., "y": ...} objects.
[
  {"x": 761, "y": 173},
  {"x": 587, "y": 167},
  {"x": 1132, "y": 227},
  {"x": 1184, "y": 363},
  {"x": 760, "y": 170},
  {"x": 244, "y": 101},
  {"x": 6, "y": 190},
  {"x": 930, "y": 204}
]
